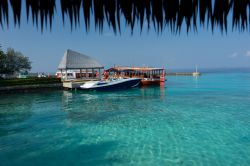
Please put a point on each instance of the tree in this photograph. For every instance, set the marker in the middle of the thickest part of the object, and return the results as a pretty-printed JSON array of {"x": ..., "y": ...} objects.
[
  {"x": 1, "y": 51},
  {"x": 13, "y": 62},
  {"x": 2, "y": 61}
]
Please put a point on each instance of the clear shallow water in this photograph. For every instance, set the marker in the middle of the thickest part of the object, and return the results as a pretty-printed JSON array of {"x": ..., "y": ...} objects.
[{"x": 203, "y": 121}]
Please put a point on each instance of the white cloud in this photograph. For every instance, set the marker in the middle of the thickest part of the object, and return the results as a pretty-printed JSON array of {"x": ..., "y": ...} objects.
[
  {"x": 247, "y": 54},
  {"x": 234, "y": 55}
]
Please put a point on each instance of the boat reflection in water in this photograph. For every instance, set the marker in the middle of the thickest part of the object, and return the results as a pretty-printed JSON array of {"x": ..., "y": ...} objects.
[
  {"x": 162, "y": 90},
  {"x": 153, "y": 92}
]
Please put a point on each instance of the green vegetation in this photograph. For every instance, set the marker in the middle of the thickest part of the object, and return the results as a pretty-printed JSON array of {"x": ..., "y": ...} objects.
[
  {"x": 29, "y": 81},
  {"x": 13, "y": 62}
]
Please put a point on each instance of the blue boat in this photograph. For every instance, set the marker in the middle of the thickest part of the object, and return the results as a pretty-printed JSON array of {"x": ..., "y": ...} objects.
[{"x": 110, "y": 85}]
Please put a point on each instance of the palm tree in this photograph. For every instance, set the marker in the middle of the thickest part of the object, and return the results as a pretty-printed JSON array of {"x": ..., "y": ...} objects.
[{"x": 159, "y": 13}]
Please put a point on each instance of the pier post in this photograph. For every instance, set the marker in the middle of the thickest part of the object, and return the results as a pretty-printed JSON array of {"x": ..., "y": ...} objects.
[
  {"x": 92, "y": 75},
  {"x": 99, "y": 75},
  {"x": 61, "y": 75},
  {"x": 80, "y": 73},
  {"x": 66, "y": 76}
]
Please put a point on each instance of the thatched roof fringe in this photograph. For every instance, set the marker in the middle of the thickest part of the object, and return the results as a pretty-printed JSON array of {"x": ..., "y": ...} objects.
[
  {"x": 43, "y": 8},
  {"x": 4, "y": 13},
  {"x": 159, "y": 13},
  {"x": 15, "y": 4},
  {"x": 87, "y": 8}
]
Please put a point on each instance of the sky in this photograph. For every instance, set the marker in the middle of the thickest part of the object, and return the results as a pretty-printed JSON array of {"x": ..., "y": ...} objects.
[{"x": 182, "y": 51}]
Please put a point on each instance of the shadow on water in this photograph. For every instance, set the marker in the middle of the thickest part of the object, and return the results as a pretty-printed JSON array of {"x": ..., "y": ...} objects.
[
  {"x": 18, "y": 108},
  {"x": 86, "y": 154},
  {"x": 14, "y": 109}
]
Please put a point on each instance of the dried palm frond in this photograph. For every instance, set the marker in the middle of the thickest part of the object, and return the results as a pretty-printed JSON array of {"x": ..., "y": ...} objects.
[{"x": 172, "y": 14}]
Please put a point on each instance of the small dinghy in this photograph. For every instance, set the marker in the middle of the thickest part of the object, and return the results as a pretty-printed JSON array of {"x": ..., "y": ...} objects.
[{"x": 114, "y": 84}]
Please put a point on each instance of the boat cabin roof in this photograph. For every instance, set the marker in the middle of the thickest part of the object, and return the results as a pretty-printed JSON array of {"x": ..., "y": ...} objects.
[{"x": 126, "y": 69}]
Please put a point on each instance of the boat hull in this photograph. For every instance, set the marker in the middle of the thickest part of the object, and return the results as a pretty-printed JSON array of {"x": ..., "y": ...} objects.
[
  {"x": 149, "y": 82},
  {"x": 118, "y": 85},
  {"x": 146, "y": 82}
]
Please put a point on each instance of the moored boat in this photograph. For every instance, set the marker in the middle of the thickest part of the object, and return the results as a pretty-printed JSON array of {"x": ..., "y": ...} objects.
[
  {"x": 196, "y": 73},
  {"x": 110, "y": 85},
  {"x": 148, "y": 75}
]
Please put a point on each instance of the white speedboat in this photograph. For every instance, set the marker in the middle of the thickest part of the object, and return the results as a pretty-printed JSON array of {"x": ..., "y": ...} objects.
[
  {"x": 196, "y": 73},
  {"x": 114, "y": 84}
]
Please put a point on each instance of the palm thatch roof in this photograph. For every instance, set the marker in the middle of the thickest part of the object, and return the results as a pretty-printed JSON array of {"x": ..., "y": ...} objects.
[
  {"x": 159, "y": 14},
  {"x": 74, "y": 60}
]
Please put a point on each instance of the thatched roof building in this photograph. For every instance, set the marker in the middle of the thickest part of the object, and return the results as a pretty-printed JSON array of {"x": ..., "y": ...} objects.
[
  {"x": 155, "y": 13},
  {"x": 74, "y": 60},
  {"x": 83, "y": 66}
]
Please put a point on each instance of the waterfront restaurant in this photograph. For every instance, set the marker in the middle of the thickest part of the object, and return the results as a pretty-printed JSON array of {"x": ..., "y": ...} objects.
[{"x": 75, "y": 66}]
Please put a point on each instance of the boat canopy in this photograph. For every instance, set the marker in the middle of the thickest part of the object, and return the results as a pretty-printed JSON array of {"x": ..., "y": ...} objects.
[{"x": 127, "y": 69}]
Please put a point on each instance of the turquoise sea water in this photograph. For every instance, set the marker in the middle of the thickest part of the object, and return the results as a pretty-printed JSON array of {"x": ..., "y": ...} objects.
[{"x": 190, "y": 121}]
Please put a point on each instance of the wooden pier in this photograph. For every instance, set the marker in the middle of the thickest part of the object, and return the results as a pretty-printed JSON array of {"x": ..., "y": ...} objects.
[{"x": 183, "y": 74}]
